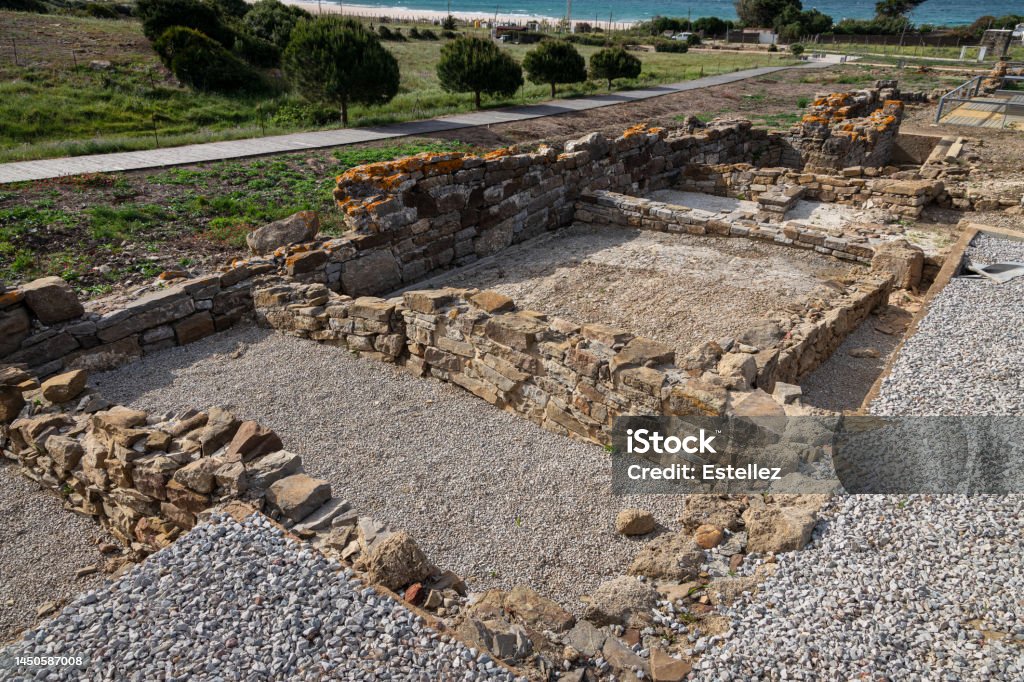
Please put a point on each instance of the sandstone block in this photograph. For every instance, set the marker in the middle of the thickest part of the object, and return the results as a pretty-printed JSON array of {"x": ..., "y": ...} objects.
[
  {"x": 622, "y": 601},
  {"x": 634, "y": 522},
  {"x": 396, "y": 561},
  {"x": 52, "y": 300},
  {"x": 298, "y": 495},
  {"x": 295, "y": 229},
  {"x": 65, "y": 387},
  {"x": 252, "y": 440}
]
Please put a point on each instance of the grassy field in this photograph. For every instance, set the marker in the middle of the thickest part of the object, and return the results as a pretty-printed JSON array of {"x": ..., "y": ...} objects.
[
  {"x": 137, "y": 225},
  {"x": 913, "y": 53},
  {"x": 55, "y": 102}
]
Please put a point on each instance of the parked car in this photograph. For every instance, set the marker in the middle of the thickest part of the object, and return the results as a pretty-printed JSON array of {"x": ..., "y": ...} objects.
[{"x": 684, "y": 36}]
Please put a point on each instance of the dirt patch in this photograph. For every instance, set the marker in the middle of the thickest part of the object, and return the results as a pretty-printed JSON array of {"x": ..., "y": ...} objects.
[{"x": 679, "y": 289}]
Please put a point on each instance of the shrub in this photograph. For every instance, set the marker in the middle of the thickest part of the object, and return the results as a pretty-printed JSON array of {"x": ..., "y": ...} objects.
[
  {"x": 670, "y": 46},
  {"x": 612, "y": 63},
  {"x": 231, "y": 8},
  {"x": 449, "y": 34},
  {"x": 555, "y": 62},
  {"x": 273, "y": 21},
  {"x": 25, "y": 6},
  {"x": 448, "y": 23},
  {"x": 386, "y": 33},
  {"x": 100, "y": 11},
  {"x": 203, "y": 63},
  {"x": 427, "y": 34},
  {"x": 336, "y": 60},
  {"x": 797, "y": 49},
  {"x": 256, "y": 51},
  {"x": 159, "y": 15},
  {"x": 476, "y": 65}
]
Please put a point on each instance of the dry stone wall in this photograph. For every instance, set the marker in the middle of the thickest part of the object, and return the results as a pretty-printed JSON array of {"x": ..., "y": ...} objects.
[
  {"x": 846, "y": 129},
  {"x": 44, "y": 326},
  {"x": 572, "y": 379},
  {"x": 415, "y": 216},
  {"x": 856, "y": 185}
]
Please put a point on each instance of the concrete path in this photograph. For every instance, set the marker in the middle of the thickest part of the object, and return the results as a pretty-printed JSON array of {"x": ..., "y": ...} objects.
[{"x": 20, "y": 171}]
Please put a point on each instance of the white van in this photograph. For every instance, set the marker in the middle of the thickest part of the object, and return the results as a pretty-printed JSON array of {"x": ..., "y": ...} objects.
[{"x": 684, "y": 36}]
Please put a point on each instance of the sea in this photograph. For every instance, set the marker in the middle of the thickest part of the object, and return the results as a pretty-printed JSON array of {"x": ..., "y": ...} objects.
[{"x": 936, "y": 12}]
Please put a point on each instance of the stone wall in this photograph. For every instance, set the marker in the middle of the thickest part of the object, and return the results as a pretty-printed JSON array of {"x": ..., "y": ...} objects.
[
  {"x": 413, "y": 217},
  {"x": 147, "y": 477},
  {"x": 44, "y": 326},
  {"x": 902, "y": 194},
  {"x": 609, "y": 208},
  {"x": 572, "y": 379},
  {"x": 846, "y": 129}
]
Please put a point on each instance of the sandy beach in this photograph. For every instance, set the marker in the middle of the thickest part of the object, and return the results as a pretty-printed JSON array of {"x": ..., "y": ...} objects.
[{"x": 395, "y": 14}]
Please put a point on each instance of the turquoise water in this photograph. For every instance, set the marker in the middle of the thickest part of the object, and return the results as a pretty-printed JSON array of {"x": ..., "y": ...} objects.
[{"x": 939, "y": 12}]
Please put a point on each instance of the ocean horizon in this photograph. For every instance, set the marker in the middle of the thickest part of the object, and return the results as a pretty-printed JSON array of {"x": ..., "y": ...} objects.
[{"x": 937, "y": 12}]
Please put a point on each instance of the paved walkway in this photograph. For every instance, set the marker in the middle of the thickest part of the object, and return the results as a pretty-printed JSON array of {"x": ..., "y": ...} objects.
[{"x": 20, "y": 171}]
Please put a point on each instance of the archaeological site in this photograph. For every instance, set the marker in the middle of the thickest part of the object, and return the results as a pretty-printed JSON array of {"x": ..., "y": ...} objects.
[{"x": 387, "y": 452}]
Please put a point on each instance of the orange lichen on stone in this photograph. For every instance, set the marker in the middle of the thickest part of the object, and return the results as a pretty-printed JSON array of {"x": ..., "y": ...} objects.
[
  {"x": 638, "y": 129},
  {"x": 445, "y": 167},
  {"x": 499, "y": 153}
]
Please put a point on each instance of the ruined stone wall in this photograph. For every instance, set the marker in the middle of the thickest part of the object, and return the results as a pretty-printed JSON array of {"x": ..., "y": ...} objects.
[
  {"x": 572, "y": 379},
  {"x": 857, "y": 186},
  {"x": 609, "y": 208},
  {"x": 416, "y": 216},
  {"x": 146, "y": 478},
  {"x": 44, "y": 326},
  {"x": 845, "y": 129}
]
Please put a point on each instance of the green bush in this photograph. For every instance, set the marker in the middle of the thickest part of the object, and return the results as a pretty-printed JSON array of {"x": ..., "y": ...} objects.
[
  {"x": 273, "y": 21},
  {"x": 159, "y": 15},
  {"x": 612, "y": 63},
  {"x": 555, "y": 62},
  {"x": 797, "y": 49},
  {"x": 25, "y": 6},
  {"x": 671, "y": 46},
  {"x": 203, "y": 63},
  {"x": 100, "y": 11},
  {"x": 470, "y": 64},
  {"x": 231, "y": 8},
  {"x": 337, "y": 60},
  {"x": 386, "y": 33}
]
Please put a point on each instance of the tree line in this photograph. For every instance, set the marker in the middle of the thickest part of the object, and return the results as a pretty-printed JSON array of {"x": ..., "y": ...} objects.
[{"x": 221, "y": 45}]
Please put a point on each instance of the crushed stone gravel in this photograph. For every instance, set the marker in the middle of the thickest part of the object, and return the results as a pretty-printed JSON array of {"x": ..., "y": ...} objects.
[
  {"x": 232, "y": 601},
  {"x": 967, "y": 355},
  {"x": 485, "y": 493},
  {"x": 36, "y": 532},
  {"x": 899, "y": 588}
]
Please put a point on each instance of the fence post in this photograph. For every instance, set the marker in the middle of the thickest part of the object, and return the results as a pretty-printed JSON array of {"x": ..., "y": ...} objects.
[{"x": 14, "y": 44}]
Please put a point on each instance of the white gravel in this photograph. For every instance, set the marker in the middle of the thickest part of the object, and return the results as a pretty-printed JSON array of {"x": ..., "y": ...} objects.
[
  {"x": 967, "y": 356},
  {"x": 894, "y": 588},
  {"x": 233, "y": 601},
  {"x": 485, "y": 493},
  {"x": 921, "y": 587},
  {"x": 36, "y": 531}
]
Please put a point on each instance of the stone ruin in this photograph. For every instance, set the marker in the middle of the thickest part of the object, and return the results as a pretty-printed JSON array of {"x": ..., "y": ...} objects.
[{"x": 149, "y": 478}]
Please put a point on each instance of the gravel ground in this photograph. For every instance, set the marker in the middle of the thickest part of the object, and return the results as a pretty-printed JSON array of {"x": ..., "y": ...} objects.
[
  {"x": 894, "y": 588},
  {"x": 843, "y": 381},
  {"x": 914, "y": 587},
  {"x": 679, "y": 289},
  {"x": 36, "y": 531},
  {"x": 240, "y": 601},
  {"x": 485, "y": 493},
  {"x": 967, "y": 356}
]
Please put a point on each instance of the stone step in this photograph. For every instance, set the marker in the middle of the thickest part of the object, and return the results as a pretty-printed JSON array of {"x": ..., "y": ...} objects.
[{"x": 321, "y": 518}]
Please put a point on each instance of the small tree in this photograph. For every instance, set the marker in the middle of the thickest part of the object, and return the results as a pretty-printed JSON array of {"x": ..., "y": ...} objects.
[
  {"x": 764, "y": 13},
  {"x": 797, "y": 49},
  {"x": 476, "y": 65},
  {"x": 614, "y": 62},
  {"x": 555, "y": 62},
  {"x": 273, "y": 21},
  {"x": 339, "y": 61},
  {"x": 204, "y": 63}
]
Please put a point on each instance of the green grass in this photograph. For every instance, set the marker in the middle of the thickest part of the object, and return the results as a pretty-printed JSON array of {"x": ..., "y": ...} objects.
[
  {"x": 54, "y": 108},
  {"x": 71, "y": 227}
]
